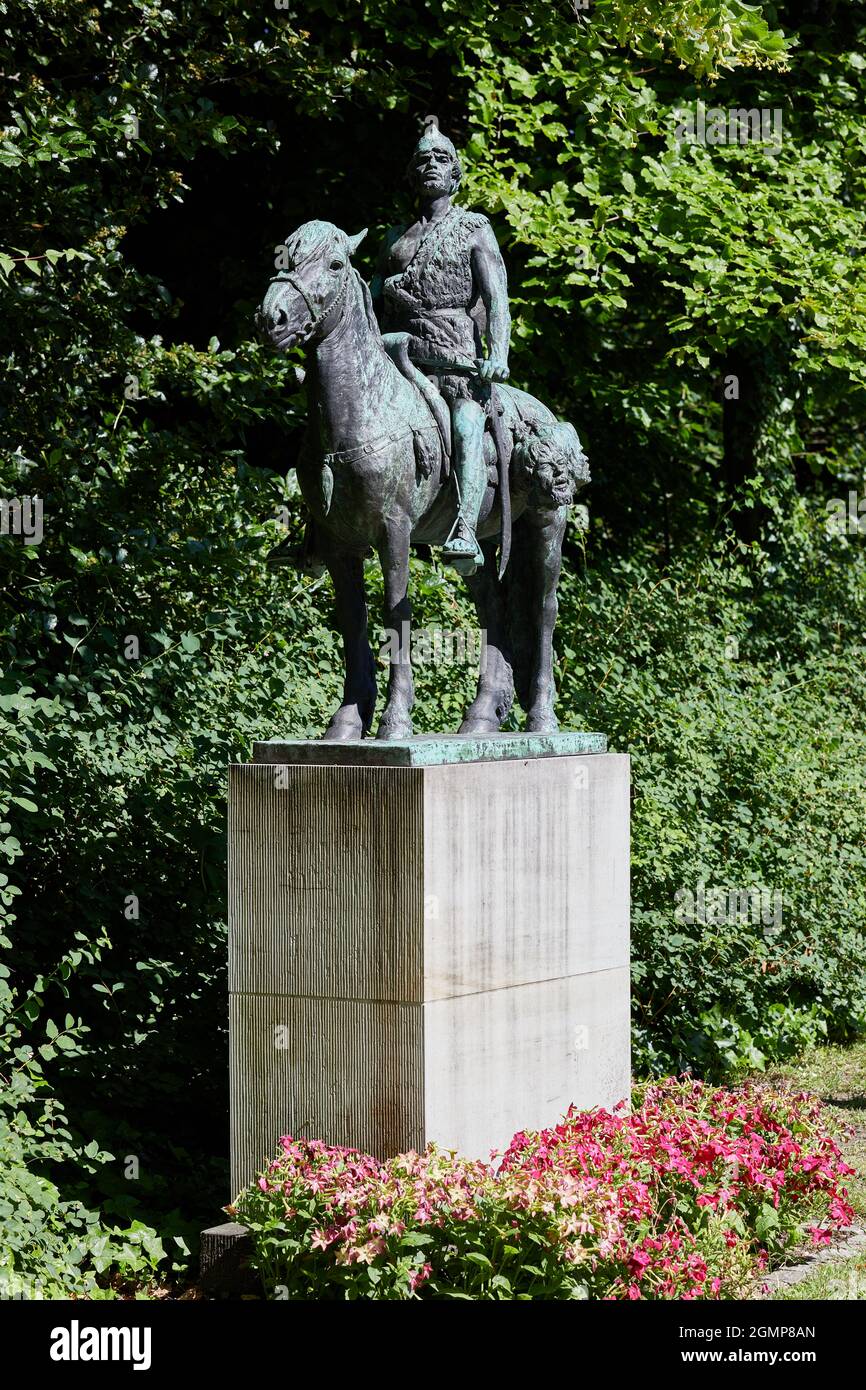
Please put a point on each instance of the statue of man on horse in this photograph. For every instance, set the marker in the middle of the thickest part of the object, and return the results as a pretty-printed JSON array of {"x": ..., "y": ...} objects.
[
  {"x": 442, "y": 281},
  {"x": 412, "y": 439}
]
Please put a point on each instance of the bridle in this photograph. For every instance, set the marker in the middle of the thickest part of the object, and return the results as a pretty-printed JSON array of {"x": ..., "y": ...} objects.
[
  {"x": 316, "y": 317},
  {"x": 316, "y": 320}
]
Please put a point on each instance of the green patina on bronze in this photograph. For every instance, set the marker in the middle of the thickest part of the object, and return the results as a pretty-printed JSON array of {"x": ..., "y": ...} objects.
[
  {"x": 413, "y": 439},
  {"x": 428, "y": 750}
]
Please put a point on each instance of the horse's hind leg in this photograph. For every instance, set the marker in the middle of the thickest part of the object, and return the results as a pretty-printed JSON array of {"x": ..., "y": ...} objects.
[
  {"x": 495, "y": 693},
  {"x": 396, "y": 719},
  {"x": 355, "y": 714},
  {"x": 536, "y": 560}
]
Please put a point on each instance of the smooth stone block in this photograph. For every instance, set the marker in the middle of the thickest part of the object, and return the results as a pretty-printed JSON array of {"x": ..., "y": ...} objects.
[
  {"x": 526, "y": 872},
  {"x": 421, "y": 883},
  {"x": 425, "y": 952},
  {"x": 574, "y": 1049},
  {"x": 465, "y": 1072}
]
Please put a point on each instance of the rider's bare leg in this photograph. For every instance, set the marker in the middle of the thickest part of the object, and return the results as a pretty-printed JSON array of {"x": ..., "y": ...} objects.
[{"x": 462, "y": 548}]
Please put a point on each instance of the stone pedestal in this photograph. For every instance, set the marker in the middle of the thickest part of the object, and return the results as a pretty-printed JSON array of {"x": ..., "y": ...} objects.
[{"x": 428, "y": 940}]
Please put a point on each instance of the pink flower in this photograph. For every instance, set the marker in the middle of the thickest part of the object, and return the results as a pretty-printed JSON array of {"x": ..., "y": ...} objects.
[
  {"x": 322, "y": 1239},
  {"x": 419, "y": 1276},
  {"x": 600, "y": 1188},
  {"x": 366, "y": 1254},
  {"x": 819, "y": 1236}
]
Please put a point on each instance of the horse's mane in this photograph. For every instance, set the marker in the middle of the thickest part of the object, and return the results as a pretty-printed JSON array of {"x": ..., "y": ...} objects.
[
  {"x": 308, "y": 240},
  {"x": 372, "y": 321}
]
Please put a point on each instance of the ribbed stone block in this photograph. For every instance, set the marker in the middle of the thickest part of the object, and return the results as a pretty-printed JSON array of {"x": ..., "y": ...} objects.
[{"x": 425, "y": 950}]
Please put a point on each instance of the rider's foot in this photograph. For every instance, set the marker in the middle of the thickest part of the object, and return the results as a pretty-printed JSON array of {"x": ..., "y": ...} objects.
[{"x": 462, "y": 549}]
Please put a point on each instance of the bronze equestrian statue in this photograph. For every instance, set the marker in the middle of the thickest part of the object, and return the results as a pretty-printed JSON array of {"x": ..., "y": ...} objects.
[{"x": 411, "y": 439}]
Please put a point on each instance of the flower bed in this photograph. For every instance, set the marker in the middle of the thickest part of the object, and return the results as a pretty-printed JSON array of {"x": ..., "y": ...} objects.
[{"x": 690, "y": 1195}]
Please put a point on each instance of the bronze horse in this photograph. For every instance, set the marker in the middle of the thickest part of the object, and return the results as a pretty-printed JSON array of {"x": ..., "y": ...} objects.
[{"x": 374, "y": 474}]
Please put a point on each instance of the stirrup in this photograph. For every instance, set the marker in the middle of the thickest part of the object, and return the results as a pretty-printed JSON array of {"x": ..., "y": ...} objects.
[{"x": 462, "y": 550}]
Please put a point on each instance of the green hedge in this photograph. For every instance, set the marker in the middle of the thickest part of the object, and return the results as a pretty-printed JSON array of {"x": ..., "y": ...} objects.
[{"x": 739, "y": 694}]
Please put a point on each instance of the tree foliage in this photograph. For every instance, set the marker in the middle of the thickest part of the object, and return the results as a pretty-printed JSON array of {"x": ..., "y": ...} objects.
[{"x": 152, "y": 156}]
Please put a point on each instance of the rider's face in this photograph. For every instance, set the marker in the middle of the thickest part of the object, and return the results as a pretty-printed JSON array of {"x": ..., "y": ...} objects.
[{"x": 433, "y": 173}]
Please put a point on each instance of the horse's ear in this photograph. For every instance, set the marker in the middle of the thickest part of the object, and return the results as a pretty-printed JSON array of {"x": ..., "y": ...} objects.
[{"x": 355, "y": 241}]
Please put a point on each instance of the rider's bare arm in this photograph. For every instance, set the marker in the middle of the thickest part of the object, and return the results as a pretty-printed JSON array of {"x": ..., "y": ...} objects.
[{"x": 488, "y": 268}]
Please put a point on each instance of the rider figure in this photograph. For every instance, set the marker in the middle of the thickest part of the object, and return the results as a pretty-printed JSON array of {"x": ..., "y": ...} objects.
[{"x": 442, "y": 281}]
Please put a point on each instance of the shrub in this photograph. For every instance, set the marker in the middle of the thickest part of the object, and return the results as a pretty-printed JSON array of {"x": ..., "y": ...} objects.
[
  {"x": 687, "y": 1197},
  {"x": 53, "y": 1245},
  {"x": 736, "y": 684}
]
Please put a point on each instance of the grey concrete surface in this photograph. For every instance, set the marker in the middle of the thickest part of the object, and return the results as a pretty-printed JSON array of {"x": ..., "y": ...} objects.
[{"x": 435, "y": 952}]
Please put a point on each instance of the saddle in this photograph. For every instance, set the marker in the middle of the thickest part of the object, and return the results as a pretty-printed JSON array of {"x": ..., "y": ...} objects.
[{"x": 397, "y": 347}]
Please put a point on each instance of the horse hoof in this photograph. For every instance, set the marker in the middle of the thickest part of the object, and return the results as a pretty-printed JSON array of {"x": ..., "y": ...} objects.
[
  {"x": 542, "y": 724},
  {"x": 340, "y": 733},
  {"x": 479, "y": 726},
  {"x": 394, "y": 728}
]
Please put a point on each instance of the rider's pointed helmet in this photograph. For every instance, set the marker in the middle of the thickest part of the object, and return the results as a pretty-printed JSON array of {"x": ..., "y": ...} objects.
[{"x": 433, "y": 139}]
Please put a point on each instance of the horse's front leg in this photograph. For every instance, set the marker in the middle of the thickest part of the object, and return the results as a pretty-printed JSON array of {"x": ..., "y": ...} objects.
[
  {"x": 396, "y": 719},
  {"x": 355, "y": 714}
]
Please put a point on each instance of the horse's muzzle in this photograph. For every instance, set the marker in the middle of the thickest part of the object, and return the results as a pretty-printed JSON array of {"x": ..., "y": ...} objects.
[{"x": 272, "y": 328}]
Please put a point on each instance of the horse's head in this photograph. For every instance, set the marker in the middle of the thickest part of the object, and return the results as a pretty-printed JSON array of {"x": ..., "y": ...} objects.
[{"x": 306, "y": 293}]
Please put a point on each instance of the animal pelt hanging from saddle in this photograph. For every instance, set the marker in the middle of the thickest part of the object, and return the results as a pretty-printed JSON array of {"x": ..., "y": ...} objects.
[
  {"x": 539, "y": 450},
  {"x": 546, "y": 459}
]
